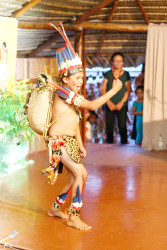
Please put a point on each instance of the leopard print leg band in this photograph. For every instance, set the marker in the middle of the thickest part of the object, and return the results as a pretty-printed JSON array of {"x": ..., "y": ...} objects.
[
  {"x": 56, "y": 205},
  {"x": 75, "y": 212}
]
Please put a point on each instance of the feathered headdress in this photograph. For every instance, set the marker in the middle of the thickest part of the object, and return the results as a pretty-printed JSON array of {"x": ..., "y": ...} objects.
[{"x": 67, "y": 59}]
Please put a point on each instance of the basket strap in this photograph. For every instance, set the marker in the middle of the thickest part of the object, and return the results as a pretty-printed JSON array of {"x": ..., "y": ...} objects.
[{"x": 49, "y": 125}]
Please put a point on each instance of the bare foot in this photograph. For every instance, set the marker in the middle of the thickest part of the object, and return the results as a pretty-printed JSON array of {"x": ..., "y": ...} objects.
[
  {"x": 57, "y": 213},
  {"x": 75, "y": 221}
]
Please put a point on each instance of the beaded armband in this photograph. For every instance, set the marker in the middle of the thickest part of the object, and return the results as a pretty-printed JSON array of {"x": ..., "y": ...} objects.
[
  {"x": 78, "y": 99},
  {"x": 74, "y": 99}
]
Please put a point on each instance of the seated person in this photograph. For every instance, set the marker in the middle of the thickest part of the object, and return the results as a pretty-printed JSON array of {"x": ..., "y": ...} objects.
[{"x": 92, "y": 119}]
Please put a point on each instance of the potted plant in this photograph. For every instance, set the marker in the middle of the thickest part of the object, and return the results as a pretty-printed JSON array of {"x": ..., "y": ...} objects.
[{"x": 15, "y": 132}]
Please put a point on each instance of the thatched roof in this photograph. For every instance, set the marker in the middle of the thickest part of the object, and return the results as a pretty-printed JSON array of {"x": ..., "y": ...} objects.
[{"x": 109, "y": 26}]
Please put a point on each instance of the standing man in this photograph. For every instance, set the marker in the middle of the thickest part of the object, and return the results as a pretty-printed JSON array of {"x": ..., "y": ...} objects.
[{"x": 117, "y": 105}]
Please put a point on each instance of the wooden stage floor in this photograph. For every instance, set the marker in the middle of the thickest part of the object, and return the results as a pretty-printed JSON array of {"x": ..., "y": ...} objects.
[{"x": 125, "y": 201}]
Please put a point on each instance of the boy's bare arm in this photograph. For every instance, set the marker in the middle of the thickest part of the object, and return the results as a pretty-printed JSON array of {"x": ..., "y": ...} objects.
[
  {"x": 93, "y": 105},
  {"x": 98, "y": 102}
]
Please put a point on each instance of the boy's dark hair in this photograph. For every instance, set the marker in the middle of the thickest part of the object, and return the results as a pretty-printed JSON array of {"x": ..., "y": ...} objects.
[
  {"x": 117, "y": 54},
  {"x": 139, "y": 87}
]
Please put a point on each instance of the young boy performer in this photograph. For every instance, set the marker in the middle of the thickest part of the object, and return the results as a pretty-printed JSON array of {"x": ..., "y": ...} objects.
[{"x": 65, "y": 142}]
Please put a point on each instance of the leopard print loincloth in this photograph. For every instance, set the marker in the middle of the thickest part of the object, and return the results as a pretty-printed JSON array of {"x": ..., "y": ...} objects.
[
  {"x": 70, "y": 144},
  {"x": 72, "y": 147},
  {"x": 55, "y": 144}
]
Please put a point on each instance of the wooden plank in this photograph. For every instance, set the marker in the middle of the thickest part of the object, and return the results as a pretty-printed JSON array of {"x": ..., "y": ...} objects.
[
  {"x": 30, "y": 68},
  {"x": 89, "y": 26},
  {"x": 92, "y": 11},
  {"x": 143, "y": 11},
  {"x": 25, "y": 8}
]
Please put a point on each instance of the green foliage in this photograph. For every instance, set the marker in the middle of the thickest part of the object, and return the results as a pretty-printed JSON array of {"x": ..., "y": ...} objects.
[
  {"x": 3, "y": 155},
  {"x": 13, "y": 122}
]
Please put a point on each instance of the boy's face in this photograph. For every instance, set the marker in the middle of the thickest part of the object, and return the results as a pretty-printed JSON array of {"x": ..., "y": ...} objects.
[
  {"x": 74, "y": 82},
  {"x": 139, "y": 94}
]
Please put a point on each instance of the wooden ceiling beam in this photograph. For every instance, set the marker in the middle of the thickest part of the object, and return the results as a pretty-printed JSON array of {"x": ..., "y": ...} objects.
[
  {"x": 110, "y": 26},
  {"x": 96, "y": 60},
  {"x": 25, "y": 8},
  {"x": 101, "y": 42},
  {"x": 92, "y": 11},
  {"x": 85, "y": 25},
  {"x": 110, "y": 54},
  {"x": 76, "y": 41},
  {"x": 130, "y": 60},
  {"x": 43, "y": 45},
  {"x": 143, "y": 11},
  {"x": 112, "y": 11},
  {"x": 90, "y": 61},
  {"x": 22, "y": 54},
  {"x": 111, "y": 40},
  {"x": 88, "y": 26},
  {"x": 108, "y": 21}
]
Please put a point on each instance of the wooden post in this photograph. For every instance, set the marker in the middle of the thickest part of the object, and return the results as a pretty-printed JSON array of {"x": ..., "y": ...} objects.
[
  {"x": 79, "y": 48},
  {"x": 84, "y": 84}
]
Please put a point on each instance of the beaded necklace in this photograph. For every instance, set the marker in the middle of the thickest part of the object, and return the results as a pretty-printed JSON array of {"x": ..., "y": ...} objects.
[{"x": 120, "y": 74}]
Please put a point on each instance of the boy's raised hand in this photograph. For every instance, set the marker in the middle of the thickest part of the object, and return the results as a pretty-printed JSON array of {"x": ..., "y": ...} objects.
[{"x": 117, "y": 84}]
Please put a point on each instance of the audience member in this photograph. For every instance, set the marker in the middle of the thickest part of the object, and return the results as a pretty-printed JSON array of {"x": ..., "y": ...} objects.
[
  {"x": 140, "y": 79},
  {"x": 137, "y": 111},
  {"x": 117, "y": 105},
  {"x": 91, "y": 121},
  {"x": 91, "y": 92},
  {"x": 138, "y": 82}
]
